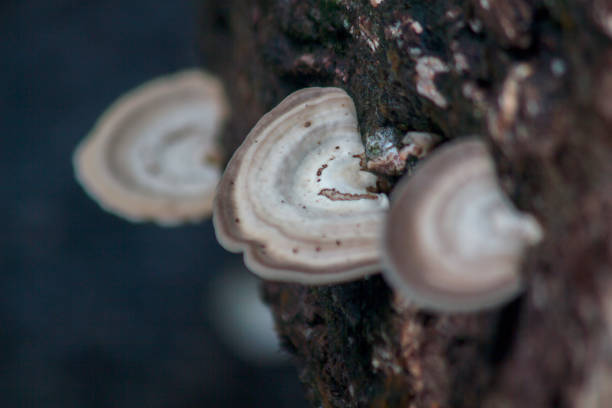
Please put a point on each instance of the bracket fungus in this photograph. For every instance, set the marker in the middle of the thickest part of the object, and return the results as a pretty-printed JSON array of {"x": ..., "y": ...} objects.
[
  {"x": 152, "y": 155},
  {"x": 294, "y": 199},
  {"x": 418, "y": 144},
  {"x": 453, "y": 241}
]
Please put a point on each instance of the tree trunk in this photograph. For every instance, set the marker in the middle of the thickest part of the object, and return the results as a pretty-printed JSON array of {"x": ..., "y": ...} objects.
[{"x": 533, "y": 79}]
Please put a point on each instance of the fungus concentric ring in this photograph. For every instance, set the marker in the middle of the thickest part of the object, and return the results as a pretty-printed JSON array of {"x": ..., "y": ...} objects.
[
  {"x": 294, "y": 199},
  {"x": 153, "y": 155},
  {"x": 453, "y": 241}
]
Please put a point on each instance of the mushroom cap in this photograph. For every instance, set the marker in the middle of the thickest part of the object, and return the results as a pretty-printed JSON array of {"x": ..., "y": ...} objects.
[
  {"x": 294, "y": 199},
  {"x": 453, "y": 241},
  {"x": 153, "y": 155}
]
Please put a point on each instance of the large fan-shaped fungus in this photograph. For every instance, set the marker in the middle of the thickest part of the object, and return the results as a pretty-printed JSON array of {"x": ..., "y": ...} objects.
[{"x": 294, "y": 198}]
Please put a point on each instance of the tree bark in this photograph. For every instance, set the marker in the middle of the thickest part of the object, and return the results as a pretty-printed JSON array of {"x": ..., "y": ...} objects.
[{"x": 533, "y": 79}]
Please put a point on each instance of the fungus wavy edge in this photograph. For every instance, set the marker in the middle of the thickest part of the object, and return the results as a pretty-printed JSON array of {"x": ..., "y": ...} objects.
[
  {"x": 119, "y": 200},
  {"x": 254, "y": 259}
]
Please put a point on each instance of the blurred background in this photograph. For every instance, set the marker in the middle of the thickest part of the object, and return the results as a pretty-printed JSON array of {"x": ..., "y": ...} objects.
[{"x": 95, "y": 311}]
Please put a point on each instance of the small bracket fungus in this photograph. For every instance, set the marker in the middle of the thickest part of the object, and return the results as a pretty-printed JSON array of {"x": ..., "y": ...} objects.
[
  {"x": 152, "y": 155},
  {"x": 294, "y": 199},
  {"x": 418, "y": 144},
  {"x": 453, "y": 241}
]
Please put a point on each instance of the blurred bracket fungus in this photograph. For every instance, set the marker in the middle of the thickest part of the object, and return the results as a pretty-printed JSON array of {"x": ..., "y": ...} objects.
[
  {"x": 241, "y": 319},
  {"x": 293, "y": 197},
  {"x": 453, "y": 241},
  {"x": 153, "y": 156}
]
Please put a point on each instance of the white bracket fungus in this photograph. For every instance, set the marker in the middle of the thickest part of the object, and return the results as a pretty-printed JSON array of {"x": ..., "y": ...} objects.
[
  {"x": 293, "y": 196},
  {"x": 453, "y": 241},
  {"x": 152, "y": 155}
]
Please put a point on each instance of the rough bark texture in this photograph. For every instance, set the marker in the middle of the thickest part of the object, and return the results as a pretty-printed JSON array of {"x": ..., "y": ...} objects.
[{"x": 534, "y": 79}]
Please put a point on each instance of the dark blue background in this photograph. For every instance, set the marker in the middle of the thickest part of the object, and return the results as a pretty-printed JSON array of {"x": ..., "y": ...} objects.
[{"x": 95, "y": 311}]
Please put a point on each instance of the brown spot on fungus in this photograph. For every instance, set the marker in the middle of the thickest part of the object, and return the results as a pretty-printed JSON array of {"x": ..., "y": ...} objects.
[
  {"x": 335, "y": 195},
  {"x": 320, "y": 170}
]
